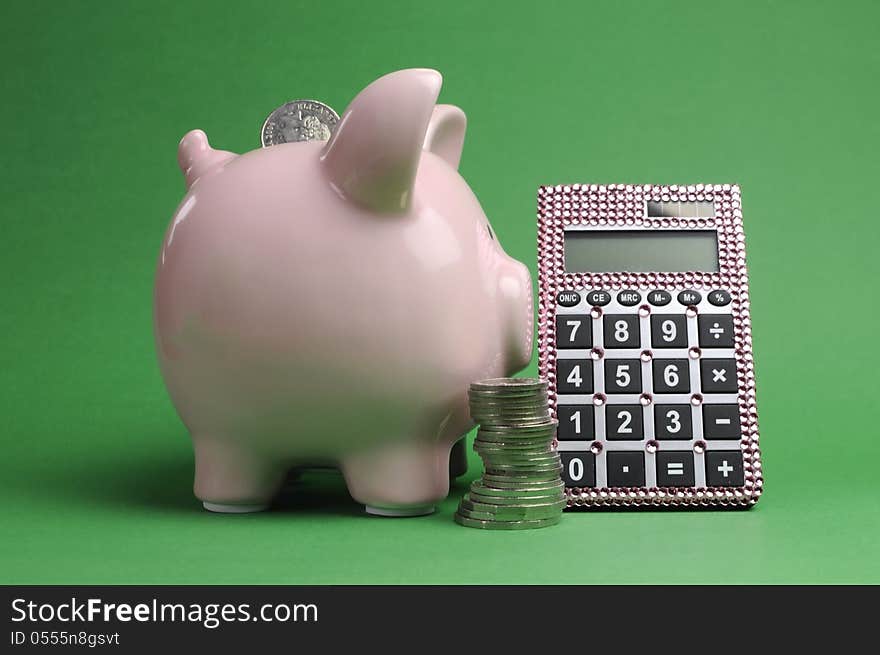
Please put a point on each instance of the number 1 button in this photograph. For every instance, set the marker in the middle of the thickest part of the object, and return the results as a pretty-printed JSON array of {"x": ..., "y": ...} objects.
[
  {"x": 574, "y": 376},
  {"x": 574, "y": 331},
  {"x": 575, "y": 422}
]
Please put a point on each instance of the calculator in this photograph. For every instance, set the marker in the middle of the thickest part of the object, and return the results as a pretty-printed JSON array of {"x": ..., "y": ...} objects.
[{"x": 645, "y": 340}]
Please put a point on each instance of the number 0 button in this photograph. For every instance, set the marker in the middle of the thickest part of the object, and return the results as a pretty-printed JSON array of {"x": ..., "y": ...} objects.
[
  {"x": 574, "y": 376},
  {"x": 578, "y": 469},
  {"x": 621, "y": 331},
  {"x": 623, "y": 376},
  {"x": 574, "y": 331}
]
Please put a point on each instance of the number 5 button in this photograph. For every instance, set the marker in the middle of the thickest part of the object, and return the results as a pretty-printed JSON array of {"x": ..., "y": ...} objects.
[
  {"x": 574, "y": 331},
  {"x": 574, "y": 376},
  {"x": 623, "y": 376}
]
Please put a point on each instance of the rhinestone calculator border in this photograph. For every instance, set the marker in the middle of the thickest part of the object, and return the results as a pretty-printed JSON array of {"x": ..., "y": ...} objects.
[{"x": 624, "y": 206}]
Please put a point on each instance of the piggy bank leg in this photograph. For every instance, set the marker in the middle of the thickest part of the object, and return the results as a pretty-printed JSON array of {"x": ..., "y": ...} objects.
[
  {"x": 231, "y": 478},
  {"x": 400, "y": 478},
  {"x": 458, "y": 463}
]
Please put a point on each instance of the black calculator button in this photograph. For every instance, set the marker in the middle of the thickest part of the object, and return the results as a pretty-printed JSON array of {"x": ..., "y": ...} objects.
[
  {"x": 599, "y": 298},
  {"x": 675, "y": 468},
  {"x": 659, "y": 298},
  {"x": 724, "y": 468},
  {"x": 624, "y": 423},
  {"x": 629, "y": 298},
  {"x": 669, "y": 331},
  {"x": 575, "y": 422},
  {"x": 719, "y": 297},
  {"x": 625, "y": 469},
  {"x": 721, "y": 422},
  {"x": 623, "y": 376},
  {"x": 621, "y": 331},
  {"x": 715, "y": 330},
  {"x": 673, "y": 422},
  {"x": 568, "y": 298},
  {"x": 574, "y": 376},
  {"x": 689, "y": 297},
  {"x": 578, "y": 469},
  {"x": 671, "y": 376},
  {"x": 718, "y": 375},
  {"x": 574, "y": 331}
]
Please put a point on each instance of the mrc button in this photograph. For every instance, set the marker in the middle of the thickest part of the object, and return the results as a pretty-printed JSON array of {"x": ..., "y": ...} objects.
[
  {"x": 628, "y": 298},
  {"x": 689, "y": 297},
  {"x": 568, "y": 298},
  {"x": 599, "y": 298},
  {"x": 659, "y": 297}
]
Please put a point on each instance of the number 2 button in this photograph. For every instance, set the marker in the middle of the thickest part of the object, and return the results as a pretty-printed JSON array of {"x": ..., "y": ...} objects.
[
  {"x": 574, "y": 376},
  {"x": 574, "y": 331},
  {"x": 623, "y": 376},
  {"x": 621, "y": 331}
]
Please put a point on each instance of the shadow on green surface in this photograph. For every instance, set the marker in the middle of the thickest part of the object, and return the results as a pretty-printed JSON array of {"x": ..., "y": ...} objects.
[{"x": 164, "y": 482}]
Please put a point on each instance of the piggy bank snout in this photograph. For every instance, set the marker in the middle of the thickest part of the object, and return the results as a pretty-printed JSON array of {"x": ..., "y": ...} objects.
[{"x": 515, "y": 291}]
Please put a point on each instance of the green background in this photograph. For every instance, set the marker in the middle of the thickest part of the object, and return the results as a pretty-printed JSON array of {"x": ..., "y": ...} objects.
[{"x": 780, "y": 97}]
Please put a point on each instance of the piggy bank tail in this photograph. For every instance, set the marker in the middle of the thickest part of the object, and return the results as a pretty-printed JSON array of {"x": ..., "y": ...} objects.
[{"x": 197, "y": 158}]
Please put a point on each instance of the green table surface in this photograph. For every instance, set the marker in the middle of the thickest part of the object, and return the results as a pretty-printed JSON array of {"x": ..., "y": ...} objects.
[{"x": 780, "y": 97}]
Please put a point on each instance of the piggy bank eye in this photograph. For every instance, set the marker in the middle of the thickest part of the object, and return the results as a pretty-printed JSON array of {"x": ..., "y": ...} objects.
[{"x": 489, "y": 230}]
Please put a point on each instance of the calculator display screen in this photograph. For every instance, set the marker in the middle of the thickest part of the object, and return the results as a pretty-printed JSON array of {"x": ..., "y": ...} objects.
[{"x": 638, "y": 251}]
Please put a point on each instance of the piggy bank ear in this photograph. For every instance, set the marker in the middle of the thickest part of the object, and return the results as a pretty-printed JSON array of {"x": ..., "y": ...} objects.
[
  {"x": 374, "y": 153},
  {"x": 445, "y": 136}
]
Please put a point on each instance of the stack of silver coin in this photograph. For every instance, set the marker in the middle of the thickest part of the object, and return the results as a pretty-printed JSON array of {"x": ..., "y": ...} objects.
[{"x": 521, "y": 487}]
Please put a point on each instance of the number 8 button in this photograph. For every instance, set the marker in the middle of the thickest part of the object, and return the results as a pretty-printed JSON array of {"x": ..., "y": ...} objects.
[{"x": 621, "y": 331}]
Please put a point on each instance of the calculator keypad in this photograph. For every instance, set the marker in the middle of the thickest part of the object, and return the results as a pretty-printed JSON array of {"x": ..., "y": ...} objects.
[{"x": 654, "y": 385}]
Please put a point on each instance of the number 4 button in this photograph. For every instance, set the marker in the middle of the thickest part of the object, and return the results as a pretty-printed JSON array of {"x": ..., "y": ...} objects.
[{"x": 574, "y": 376}]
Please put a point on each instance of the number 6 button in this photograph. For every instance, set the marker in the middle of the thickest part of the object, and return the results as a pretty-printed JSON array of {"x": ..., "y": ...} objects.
[
  {"x": 574, "y": 331},
  {"x": 671, "y": 376},
  {"x": 574, "y": 376}
]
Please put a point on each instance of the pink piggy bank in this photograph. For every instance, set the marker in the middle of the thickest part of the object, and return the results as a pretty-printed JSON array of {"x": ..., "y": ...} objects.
[{"x": 329, "y": 302}]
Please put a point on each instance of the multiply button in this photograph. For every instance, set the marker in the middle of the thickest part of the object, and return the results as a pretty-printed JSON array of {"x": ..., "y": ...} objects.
[
  {"x": 719, "y": 297},
  {"x": 625, "y": 469},
  {"x": 599, "y": 298},
  {"x": 715, "y": 330},
  {"x": 689, "y": 297},
  {"x": 629, "y": 298},
  {"x": 724, "y": 468},
  {"x": 675, "y": 468},
  {"x": 568, "y": 298},
  {"x": 574, "y": 331},
  {"x": 718, "y": 375},
  {"x": 659, "y": 298},
  {"x": 578, "y": 469}
]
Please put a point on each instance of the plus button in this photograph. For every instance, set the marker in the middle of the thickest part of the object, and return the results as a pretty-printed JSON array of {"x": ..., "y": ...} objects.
[{"x": 725, "y": 469}]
